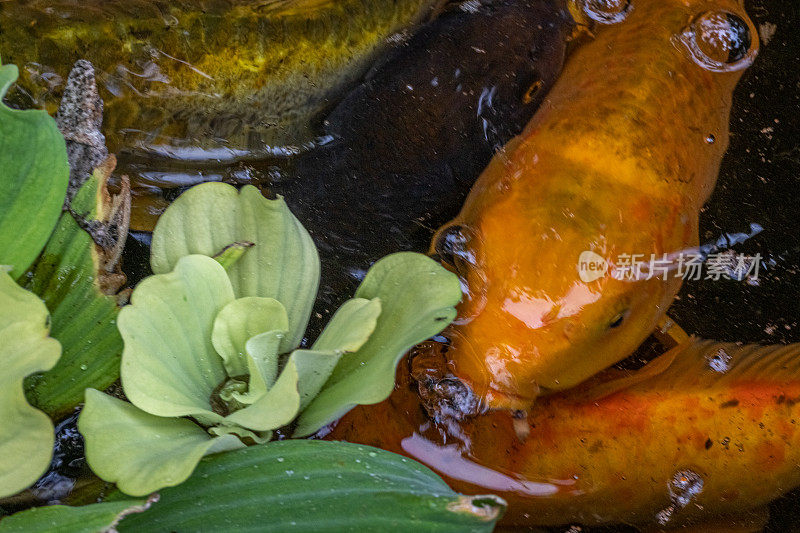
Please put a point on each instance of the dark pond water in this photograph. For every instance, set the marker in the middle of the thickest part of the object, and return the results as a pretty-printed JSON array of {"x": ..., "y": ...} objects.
[{"x": 759, "y": 182}]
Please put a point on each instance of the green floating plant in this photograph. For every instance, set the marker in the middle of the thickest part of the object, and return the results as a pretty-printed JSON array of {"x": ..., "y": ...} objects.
[
  {"x": 26, "y": 434},
  {"x": 211, "y": 359},
  {"x": 33, "y": 179},
  {"x": 293, "y": 485}
]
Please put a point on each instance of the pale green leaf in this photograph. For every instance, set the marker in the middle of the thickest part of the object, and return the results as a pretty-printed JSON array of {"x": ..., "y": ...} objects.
[
  {"x": 314, "y": 367},
  {"x": 348, "y": 330},
  {"x": 257, "y": 437},
  {"x": 95, "y": 518},
  {"x": 239, "y": 321},
  {"x": 350, "y": 326},
  {"x": 276, "y": 408},
  {"x": 418, "y": 299},
  {"x": 26, "y": 434},
  {"x": 300, "y": 380},
  {"x": 33, "y": 179},
  {"x": 262, "y": 364},
  {"x": 20, "y": 306},
  {"x": 283, "y": 264},
  {"x": 141, "y": 452},
  {"x": 169, "y": 366},
  {"x": 306, "y": 485}
]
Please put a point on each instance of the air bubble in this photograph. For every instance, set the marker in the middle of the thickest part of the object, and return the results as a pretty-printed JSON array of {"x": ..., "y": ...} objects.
[
  {"x": 720, "y": 361},
  {"x": 684, "y": 486},
  {"x": 720, "y": 41},
  {"x": 606, "y": 11}
]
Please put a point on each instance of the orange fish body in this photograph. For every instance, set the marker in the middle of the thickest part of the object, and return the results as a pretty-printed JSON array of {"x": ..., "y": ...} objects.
[
  {"x": 619, "y": 160},
  {"x": 717, "y": 433}
]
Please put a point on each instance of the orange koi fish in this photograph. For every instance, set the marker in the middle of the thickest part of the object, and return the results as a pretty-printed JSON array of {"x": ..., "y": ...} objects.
[
  {"x": 619, "y": 160},
  {"x": 716, "y": 433}
]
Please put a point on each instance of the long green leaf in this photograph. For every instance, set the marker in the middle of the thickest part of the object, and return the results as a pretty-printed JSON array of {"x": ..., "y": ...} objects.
[
  {"x": 33, "y": 180},
  {"x": 306, "y": 485},
  {"x": 283, "y": 264},
  {"x": 84, "y": 319},
  {"x": 63, "y": 519}
]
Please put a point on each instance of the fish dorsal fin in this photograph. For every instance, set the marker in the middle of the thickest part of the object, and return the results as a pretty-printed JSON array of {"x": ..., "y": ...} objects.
[
  {"x": 613, "y": 381},
  {"x": 705, "y": 363},
  {"x": 698, "y": 363}
]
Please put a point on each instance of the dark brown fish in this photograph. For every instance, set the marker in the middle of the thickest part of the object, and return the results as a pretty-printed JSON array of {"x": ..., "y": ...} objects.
[{"x": 211, "y": 73}]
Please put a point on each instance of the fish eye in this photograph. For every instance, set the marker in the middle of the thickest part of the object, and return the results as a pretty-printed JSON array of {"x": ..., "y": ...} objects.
[
  {"x": 720, "y": 41},
  {"x": 451, "y": 244},
  {"x": 606, "y": 11},
  {"x": 618, "y": 319}
]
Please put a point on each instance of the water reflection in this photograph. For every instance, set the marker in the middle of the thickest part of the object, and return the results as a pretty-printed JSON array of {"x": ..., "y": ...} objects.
[{"x": 450, "y": 461}]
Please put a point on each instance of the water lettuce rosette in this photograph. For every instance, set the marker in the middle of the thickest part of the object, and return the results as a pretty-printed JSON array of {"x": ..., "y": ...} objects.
[{"x": 212, "y": 359}]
